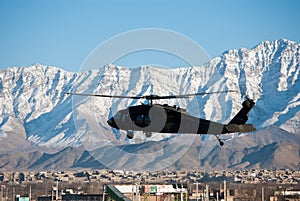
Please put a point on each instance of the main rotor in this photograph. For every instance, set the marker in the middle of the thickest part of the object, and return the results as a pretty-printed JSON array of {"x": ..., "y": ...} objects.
[{"x": 152, "y": 97}]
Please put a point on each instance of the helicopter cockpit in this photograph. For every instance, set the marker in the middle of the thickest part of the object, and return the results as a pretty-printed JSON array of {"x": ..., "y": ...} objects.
[
  {"x": 123, "y": 118},
  {"x": 118, "y": 119}
]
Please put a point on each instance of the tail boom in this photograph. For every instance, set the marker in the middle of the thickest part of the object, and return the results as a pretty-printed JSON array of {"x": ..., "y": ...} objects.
[{"x": 243, "y": 128}]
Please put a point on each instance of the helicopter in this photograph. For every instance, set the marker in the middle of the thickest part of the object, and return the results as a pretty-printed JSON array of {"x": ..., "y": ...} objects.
[{"x": 163, "y": 118}]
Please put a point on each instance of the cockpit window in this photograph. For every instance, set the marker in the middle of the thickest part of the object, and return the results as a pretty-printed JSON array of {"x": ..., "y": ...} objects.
[
  {"x": 118, "y": 115},
  {"x": 121, "y": 115},
  {"x": 124, "y": 116}
]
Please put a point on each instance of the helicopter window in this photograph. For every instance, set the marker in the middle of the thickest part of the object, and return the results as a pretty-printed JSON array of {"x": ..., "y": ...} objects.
[
  {"x": 139, "y": 118},
  {"x": 147, "y": 119},
  {"x": 120, "y": 116},
  {"x": 117, "y": 116},
  {"x": 142, "y": 119}
]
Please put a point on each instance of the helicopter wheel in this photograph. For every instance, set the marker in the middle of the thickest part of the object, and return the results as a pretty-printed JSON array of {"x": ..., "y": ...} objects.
[
  {"x": 220, "y": 141},
  {"x": 130, "y": 135},
  {"x": 148, "y": 134}
]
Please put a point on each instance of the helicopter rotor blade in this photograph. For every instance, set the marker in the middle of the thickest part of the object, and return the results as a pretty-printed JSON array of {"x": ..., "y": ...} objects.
[
  {"x": 189, "y": 95},
  {"x": 104, "y": 96},
  {"x": 152, "y": 97}
]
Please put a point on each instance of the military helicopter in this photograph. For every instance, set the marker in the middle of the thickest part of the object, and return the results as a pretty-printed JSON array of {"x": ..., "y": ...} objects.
[{"x": 164, "y": 118}]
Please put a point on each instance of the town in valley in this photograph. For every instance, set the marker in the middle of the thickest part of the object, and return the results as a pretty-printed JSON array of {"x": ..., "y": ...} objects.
[{"x": 167, "y": 185}]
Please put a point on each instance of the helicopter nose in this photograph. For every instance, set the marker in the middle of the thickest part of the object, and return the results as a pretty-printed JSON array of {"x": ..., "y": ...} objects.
[{"x": 112, "y": 123}]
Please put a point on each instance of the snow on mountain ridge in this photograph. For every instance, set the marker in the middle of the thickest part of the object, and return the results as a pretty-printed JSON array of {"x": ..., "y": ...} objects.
[
  {"x": 269, "y": 70},
  {"x": 268, "y": 73},
  {"x": 31, "y": 91}
]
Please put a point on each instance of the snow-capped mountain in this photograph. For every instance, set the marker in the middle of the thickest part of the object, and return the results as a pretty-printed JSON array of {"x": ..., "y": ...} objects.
[{"x": 34, "y": 100}]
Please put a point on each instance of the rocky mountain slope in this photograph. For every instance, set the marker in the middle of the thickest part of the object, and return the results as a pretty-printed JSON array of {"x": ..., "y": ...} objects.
[
  {"x": 36, "y": 111},
  {"x": 272, "y": 148}
]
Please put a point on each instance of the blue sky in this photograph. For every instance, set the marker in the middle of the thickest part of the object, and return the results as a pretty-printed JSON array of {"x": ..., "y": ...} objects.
[{"x": 63, "y": 32}]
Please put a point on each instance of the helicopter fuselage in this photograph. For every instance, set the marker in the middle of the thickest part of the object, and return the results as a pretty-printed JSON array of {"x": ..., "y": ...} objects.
[
  {"x": 163, "y": 119},
  {"x": 172, "y": 119}
]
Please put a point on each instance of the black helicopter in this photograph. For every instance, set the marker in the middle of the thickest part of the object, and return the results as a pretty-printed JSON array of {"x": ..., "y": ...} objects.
[{"x": 173, "y": 119}]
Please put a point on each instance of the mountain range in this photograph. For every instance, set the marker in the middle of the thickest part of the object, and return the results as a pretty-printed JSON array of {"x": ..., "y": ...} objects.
[{"x": 42, "y": 127}]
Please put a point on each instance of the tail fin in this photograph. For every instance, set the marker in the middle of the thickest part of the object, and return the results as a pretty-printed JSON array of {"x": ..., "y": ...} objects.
[
  {"x": 238, "y": 123},
  {"x": 242, "y": 115}
]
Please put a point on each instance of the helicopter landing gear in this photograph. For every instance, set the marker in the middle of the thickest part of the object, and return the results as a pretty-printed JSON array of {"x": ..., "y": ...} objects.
[
  {"x": 148, "y": 134},
  {"x": 220, "y": 141},
  {"x": 130, "y": 134}
]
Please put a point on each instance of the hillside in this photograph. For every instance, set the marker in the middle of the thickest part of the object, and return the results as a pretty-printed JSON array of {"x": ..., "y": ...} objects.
[{"x": 37, "y": 113}]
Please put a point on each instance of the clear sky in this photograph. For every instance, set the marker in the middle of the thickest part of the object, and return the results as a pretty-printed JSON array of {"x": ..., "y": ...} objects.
[{"x": 63, "y": 32}]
